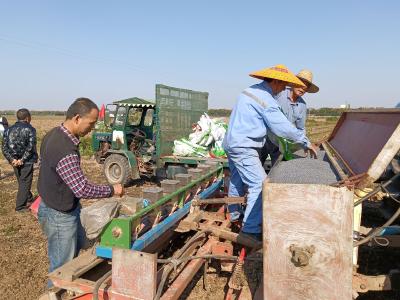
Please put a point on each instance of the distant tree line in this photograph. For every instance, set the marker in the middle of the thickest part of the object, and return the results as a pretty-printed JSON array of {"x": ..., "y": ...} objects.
[
  {"x": 326, "y": 111},
  {"x": 34, "y": 112},
  {"x": 220, "y": 112},
  {"x": 313, "y": 111},
  {"x": 323, "y": 111}
]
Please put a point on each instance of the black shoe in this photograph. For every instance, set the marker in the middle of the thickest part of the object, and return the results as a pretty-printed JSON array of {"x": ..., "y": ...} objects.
[
  {"x": 255, "y": 236},
  {"x": 30, "y": 201},
  {"x": 22, "y": 210}
]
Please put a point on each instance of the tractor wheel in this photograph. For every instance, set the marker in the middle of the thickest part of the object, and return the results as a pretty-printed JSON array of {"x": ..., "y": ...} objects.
[{"x": 117, "y": 169}]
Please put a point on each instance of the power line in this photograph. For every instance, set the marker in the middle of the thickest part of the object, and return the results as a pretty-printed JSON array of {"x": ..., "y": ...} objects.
[
  {"x": 110, "y": 61},
  {"x": 69, "y": 53}
]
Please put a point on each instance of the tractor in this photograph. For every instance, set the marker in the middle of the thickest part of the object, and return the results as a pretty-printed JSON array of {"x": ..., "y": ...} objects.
[{"x": 136, "y": 137}]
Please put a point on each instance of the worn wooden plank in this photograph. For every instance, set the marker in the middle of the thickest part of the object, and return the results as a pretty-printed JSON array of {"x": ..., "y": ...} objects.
[
  {"x": 76, "y": 267},
  {"x": 357, "y": 214},
  {"x": 303, "y": 216}
]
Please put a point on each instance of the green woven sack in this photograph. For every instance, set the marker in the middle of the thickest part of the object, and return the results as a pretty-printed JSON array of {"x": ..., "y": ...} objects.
[{"x": 286, "y": 147}]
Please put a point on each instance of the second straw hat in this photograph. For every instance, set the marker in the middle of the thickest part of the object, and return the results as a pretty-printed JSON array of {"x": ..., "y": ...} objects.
[{"x": 307, "y": 77}]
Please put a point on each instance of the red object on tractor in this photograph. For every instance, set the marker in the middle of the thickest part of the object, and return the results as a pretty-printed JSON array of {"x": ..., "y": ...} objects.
[{"x": 102, "y": 112}]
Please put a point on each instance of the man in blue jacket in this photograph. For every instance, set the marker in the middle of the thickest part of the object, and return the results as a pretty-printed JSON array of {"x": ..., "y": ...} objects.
[
  {"x": 19, "y": 148},
  {"x": 255, "y": 113},
  {"x": 294, "y": 108}
]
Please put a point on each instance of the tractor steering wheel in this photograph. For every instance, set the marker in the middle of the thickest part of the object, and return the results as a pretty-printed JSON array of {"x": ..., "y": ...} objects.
[{"x": 139, "y": 134}]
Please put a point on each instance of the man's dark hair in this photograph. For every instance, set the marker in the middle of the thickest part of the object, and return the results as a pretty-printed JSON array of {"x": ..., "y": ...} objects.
[
  {"x": 81, "y": 107},
  {"x": 22, "y": 114}
]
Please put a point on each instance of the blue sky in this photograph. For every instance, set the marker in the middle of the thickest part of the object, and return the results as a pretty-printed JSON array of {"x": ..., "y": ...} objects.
[{"x": 52, "y": 52}]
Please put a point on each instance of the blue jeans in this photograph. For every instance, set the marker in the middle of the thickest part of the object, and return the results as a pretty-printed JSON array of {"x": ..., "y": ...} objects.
[
  {"x": 64, "y": 232},
  {"x": 246, "y": 170}
]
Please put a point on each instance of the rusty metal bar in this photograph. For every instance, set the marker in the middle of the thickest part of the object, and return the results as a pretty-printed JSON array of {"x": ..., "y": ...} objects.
[
  {"x": 183, "y": 279},
  {"x": 181, "y": 282},
  {"x": 190, "y": 251},
  {"x": 350, "y": 182},
  {"x": 226, "y": 200},
  {"x": 231, "y": 236}
]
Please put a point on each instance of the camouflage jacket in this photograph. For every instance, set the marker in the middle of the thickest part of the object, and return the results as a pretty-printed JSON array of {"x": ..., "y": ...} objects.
[{"x": 19, "y": 142}]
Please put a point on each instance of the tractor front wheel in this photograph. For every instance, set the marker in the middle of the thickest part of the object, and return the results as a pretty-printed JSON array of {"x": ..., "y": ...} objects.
[{"x": 117, "y": 169}]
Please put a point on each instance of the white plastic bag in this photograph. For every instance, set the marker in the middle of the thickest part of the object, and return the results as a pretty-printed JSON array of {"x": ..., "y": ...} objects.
[
  {"x": 97, "y": 215},
  {"x": 185, "y": 147}
]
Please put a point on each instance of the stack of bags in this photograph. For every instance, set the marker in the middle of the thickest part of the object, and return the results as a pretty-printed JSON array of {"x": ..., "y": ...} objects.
[{"x": 205, "y": 141}]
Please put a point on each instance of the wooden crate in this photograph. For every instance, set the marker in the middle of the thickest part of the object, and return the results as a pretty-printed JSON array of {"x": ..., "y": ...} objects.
[{"x": 297, "y": 216}]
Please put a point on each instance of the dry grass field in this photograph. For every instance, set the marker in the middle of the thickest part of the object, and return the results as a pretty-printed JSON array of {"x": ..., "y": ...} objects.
[
  {"x": 42, "y": 123},
  {"x": 23, "y": 259}
]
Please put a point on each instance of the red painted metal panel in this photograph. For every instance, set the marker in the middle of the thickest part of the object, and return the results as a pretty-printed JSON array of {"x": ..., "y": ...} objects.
[{"x": 359, "y": 136}]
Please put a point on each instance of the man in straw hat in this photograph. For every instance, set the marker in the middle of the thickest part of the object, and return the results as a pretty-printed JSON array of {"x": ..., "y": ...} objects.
[
  {"x": 294, "y": 108},
  {"x": 255, "y": 113}
]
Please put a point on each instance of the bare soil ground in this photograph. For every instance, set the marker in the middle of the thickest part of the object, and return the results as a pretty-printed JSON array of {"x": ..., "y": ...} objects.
[
  {"x": 23, "y": 247},
  {"x": 23, "y": 260}
]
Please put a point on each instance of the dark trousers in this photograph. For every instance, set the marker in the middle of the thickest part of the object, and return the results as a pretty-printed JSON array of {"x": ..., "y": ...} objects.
[
  {"x": 24, "y": 176},
  {"x": 271, "y": 149}
]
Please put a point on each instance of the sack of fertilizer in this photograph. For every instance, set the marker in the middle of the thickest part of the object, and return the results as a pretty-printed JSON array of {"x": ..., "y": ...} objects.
[
  {"x": 204, "y": 130},
  {"x": 184, "y": 147},
  {"x": 205, "y": 140}
]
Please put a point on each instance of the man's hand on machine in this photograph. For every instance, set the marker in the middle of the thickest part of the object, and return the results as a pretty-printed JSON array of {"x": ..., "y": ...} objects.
[
  {"x": 312, "y": 151},
  {"x": 118, "y": 189}
]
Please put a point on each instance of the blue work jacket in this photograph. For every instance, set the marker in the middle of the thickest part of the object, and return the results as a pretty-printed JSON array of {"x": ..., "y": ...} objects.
[
  {"x": 256, "y": 111},
  {"x": 296, "y": 112}
]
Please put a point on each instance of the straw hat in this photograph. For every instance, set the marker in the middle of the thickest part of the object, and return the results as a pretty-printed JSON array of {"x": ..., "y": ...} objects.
[
  {"x": 306, "y": 76},
  {"x": 279, "y": 72}
]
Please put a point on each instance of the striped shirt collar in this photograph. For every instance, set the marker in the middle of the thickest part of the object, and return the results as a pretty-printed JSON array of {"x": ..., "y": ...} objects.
[{"x": 73, "y": 138}]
